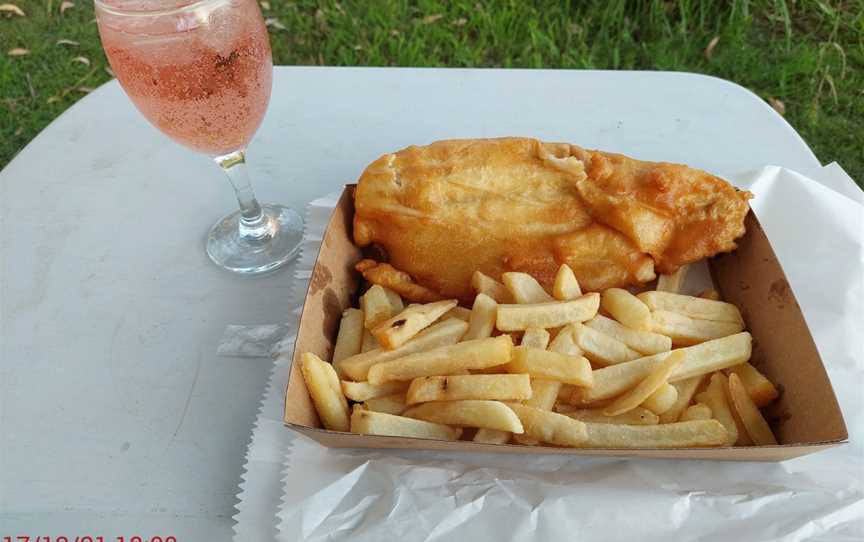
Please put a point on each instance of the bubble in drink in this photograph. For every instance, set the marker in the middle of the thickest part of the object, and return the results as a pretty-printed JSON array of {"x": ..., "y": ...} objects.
[
  {"x": 205, "y": 86},
  {"x": 224, "y": 26}
]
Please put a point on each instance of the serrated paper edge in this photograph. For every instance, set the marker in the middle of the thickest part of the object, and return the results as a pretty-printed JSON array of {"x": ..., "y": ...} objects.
[{"x": 246, "y": 511}]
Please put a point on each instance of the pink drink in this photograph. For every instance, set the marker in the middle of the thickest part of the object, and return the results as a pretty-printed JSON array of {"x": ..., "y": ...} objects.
[{"x": 202, "y": 77}]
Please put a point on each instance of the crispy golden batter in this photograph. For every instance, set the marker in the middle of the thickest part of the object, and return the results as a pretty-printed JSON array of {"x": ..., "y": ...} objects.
[
  {"x": 400, "y": 282},
  {"x": 514, "y": 204},
  {"x": 675, "y": 213}
]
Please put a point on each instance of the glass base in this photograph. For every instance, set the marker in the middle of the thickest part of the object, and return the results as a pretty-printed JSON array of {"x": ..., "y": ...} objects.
[{"x": 276, "y": 241}]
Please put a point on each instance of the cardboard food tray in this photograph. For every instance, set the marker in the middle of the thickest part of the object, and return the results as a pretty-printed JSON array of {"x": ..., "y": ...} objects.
[{"x": 806, "y": 418}]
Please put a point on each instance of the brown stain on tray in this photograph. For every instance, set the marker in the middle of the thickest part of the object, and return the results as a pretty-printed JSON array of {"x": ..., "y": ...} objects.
[
  {"x": 321, "y": 277},
  {"x": 779, "y": 291},
  {"x": 332, "y": 313}
]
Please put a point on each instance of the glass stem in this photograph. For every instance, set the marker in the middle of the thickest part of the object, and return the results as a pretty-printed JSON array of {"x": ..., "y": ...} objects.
[{"x": 253, "y": 222}]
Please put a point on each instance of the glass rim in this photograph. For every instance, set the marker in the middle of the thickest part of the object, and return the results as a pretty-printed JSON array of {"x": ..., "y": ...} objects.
[{"x": 143, "y": 8}]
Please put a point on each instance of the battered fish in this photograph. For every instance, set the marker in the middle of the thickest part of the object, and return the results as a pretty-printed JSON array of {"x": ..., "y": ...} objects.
[{"x": 447, "y": 209}]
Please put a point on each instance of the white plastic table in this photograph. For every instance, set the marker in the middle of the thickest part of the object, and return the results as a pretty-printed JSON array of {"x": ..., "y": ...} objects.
[{"x": 116, "y": 415}]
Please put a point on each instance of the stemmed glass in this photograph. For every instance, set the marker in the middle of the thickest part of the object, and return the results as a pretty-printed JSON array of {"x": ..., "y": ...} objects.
[{"x": 201, "y": 72}]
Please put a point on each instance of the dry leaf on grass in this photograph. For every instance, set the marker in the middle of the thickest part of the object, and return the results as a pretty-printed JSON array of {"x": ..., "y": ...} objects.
[
  {"x": 109, "y": 71},
  {"x": 321, "y": 20},
  {"x": 85, "y": 90},
  {"x": 67, "y": 42},
  {"x": 66, "y": 5},
  {"x": 265, "y": 5},
  {"x": 429, "y": 19},
  {"x": 18, "y": 51},
  {"x": 709, "y": 51},
  {"x": 462, "y": 21},
  {"x": 12, "y": 9},
  {"x": 81, "y": 60},
  {"x": 778, "y": 105},
  {"x": 275, "y": 23}
]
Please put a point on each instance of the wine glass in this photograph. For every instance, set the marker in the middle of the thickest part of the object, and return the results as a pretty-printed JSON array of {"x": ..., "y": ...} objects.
[{"x": 201, "y": 72}]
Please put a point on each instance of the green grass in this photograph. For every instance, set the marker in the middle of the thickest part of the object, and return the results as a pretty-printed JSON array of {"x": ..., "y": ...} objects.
[{"x": 806, "y": 55}]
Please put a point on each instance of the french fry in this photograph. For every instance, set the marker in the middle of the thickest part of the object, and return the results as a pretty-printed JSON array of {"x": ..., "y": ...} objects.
[
  {"x": 444, "y": 360},
  {"x": 637, "y": 416},
  {"x": 545, "y": 393},
  {"x": 368, "y": 343},
  {"x": 326, "y": 393},
  {"x": 361, "y": 391},
  {"x": 755, "y": 425},
  {"x": 547, "y": 315},
  {"x": 551, "y": 366},
  {"x": 400, "y": 282},
  {"x": 535, "y": 337},
  {"x": 525, "y": 289},
  {"x": 661, "y": 400},
  {"x": 626, "y": 308},
  {"x": 644, "y": 342},
  {"x": 686, "y": 331},
  {"x": 710, "y": 293},
  {"x": 686, "y": 390},
  {"x": 495, "y": 370},
  {"x": 715, "y": 397},
  {"x": 652, "y": 382},
  {"x": 566, "y": 287},
  {"x": 546, "y": 426},
  {"x": 694, "y": 307},
  {"x": 565, "y": 343},
  {"x": 699, "y": 411},
  {"x": 460, "y": 313},
  {"x": 350, "y": 337},
  {"x": 376, "y": 306},
  {"x": 491, "y": 436},
  {"x": 484, "y": 414},
  {"x": 391, "y": 404},
  {"x": 601, "y": 404},
  {"x": 714, "y": 355},
  {"x": 599, "y": 348},
  {"x": 397, "y": 330},
  {"x": 674, "y": 281},
  {"x": 761, "y": 390},
  {"x": 564, "y": 393},
  {"x": 396, "y": 304},
  {"x": 700, "y": 433},
  {"x": 743, "y": 436},
  {"x": 484, "y": 284},
  {"x": 700, "y": 359},
  {"x": 456, "y": 388},
  {"x": 379, "y": 423},
  {"x": 482, "y": 319},
  {"x": 443, "y": 333}
]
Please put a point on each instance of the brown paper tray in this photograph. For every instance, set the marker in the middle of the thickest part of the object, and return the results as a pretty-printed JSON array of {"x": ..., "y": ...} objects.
[{"x": 805, "y": 419}]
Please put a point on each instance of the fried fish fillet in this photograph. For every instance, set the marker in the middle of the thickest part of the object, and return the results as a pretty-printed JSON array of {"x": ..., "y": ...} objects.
[{"x": 445, "y": 210}]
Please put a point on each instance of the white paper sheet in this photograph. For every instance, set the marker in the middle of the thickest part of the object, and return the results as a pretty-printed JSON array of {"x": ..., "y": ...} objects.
[
  {"x": 261, "y": 487},
  {"x": 817, "y": 231}
]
